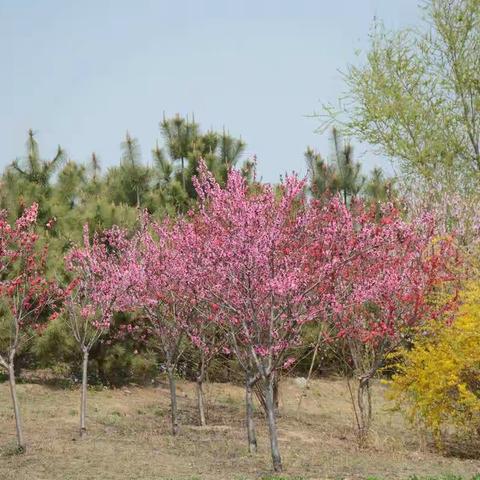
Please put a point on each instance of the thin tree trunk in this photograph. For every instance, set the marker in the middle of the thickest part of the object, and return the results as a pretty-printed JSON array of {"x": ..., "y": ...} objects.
[
  {"x": 276, "y": 395},
  {"x": 200, "y": 394},
  {"x": 201, "y": 402},
  {"x": 364, "y": 401},
  {"x": 83, "y": 396},
  {"x": 272, "y": 426},
  {"x": 309, "y": 376},
  {"x": 260, "y": 394},
  {"x": 252, "y": 437},
  {"x": 173, "y": 400},
  {"x": 16, "y": 409}
]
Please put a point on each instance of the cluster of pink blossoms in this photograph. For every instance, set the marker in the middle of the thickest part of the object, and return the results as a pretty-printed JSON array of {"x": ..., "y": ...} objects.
[{"x": 254, "y": 263}]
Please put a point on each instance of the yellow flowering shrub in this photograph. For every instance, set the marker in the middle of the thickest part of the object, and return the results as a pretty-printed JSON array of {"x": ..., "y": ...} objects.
[{"x": 438, "y": 380}]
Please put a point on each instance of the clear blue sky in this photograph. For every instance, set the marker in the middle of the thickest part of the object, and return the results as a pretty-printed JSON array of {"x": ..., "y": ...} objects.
[{"x": 81, "y": 73}]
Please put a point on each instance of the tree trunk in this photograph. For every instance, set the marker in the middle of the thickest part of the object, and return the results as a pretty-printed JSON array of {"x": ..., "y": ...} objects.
[
  {"x": 83, "y": 396},
  {"x": 16, "y": 409},
  {"x": 173, "y": 400},
  {"x": 201, "y": 402},
  {"x": 272, "y": 426},
  {"x": 200, "y": 394},
  {"x": 252, "y": 437},
  {"x": 364, "y": 401},
  {"x": 260, "y": 394},
  {"x": 276, "y": 395}
]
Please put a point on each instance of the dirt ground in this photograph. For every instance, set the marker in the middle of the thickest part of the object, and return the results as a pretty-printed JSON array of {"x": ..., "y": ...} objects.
[{"x": 129, "y": 437}]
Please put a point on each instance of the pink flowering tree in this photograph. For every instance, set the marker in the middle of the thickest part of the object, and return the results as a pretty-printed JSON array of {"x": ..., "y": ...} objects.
[
  {"x": 160, "y": 296},
  {"x": 203, "y": 328},
  {"x": 384, "y": 289},
  {"x": 25, "y": 295},
  {"x": 253, "y": 267},
  {"x": 205, "y": 335},
  {"x": 173, "y": 312},
  {"x": 104, "y": 272}
]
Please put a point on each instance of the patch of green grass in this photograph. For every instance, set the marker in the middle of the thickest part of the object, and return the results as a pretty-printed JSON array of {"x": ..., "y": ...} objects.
[
  {"x": 228, "y": 400},
  {"x": 112, "y": 419},
  {"x": 10, "y": 450},
  {"x": 160, "y": 412}
]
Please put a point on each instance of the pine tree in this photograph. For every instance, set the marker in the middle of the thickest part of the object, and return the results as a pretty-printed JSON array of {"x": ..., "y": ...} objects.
[
  {"x": 342, "y": 175},
  {"x": 377, "y": 187},
  {"x": 180, "y": 135},
  {"x": 33, "y": 168},
  {"x": 129, "y": 182}
]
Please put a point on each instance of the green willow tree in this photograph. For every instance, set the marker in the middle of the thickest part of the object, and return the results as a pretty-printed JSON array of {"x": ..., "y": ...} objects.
[{"x": 416, "y": 96}]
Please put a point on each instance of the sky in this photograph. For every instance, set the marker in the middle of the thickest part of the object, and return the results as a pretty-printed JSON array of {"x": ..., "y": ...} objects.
[{"x": 81, "y": 74}]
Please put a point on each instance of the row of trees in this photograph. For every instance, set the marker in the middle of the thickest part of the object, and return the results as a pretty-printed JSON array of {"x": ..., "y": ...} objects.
[
  {"x": 227, "y": 265},
  {"x": 132, "y": 182},
  {"x": 70, "y": 193},
  {"x": 245, "y": 272}
]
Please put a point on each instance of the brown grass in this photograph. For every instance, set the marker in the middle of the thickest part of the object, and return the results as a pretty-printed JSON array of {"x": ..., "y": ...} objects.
[{"x": 129, "y": 437}]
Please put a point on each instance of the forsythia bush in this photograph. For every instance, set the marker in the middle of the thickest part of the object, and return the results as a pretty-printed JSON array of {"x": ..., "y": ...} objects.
[{"x": 439, "y": 379}]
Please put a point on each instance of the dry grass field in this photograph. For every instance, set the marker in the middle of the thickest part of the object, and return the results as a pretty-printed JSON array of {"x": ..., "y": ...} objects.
[{"x": 129, "y": 437}]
